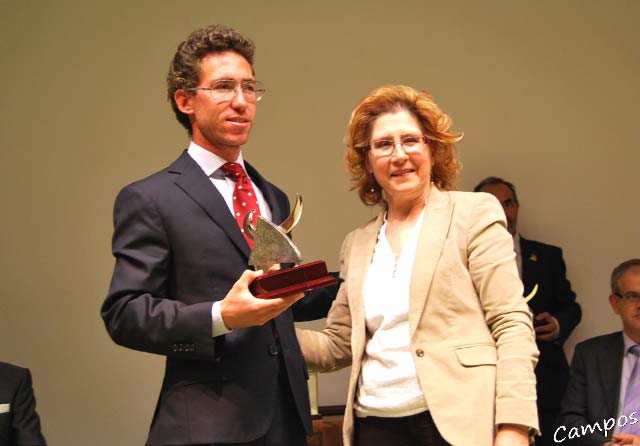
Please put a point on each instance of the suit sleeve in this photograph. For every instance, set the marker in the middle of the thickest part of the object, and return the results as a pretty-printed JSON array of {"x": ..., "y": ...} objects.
[
  {"x": 25, "y": 422},
  {"x": 494, "y": 273},
  {"x": 574, "y": 412},
  {"x": 138, "y": 311},
  {"x": 568, "y": 311}
]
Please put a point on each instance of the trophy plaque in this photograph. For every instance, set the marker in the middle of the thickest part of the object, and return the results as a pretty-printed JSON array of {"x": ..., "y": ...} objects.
[{"x": 271, "y": 246}]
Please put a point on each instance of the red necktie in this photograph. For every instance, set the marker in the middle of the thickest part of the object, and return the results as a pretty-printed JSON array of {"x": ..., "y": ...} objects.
[{"x": 244, "y": 198}]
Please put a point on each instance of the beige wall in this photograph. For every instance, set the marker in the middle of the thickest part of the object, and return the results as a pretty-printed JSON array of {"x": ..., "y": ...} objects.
[{"x": 546, "y": 92}]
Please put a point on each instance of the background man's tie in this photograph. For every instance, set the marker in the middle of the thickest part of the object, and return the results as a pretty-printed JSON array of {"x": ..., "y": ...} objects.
[
  {"x": 244, "y": 197},
  {"x": 632, "y": 396}
]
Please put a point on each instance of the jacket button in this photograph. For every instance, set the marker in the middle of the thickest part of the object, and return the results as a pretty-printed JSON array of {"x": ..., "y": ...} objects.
[{"x": 419, "y": 353}]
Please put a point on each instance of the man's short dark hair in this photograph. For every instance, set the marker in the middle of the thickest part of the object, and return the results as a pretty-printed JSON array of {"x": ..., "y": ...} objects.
[
  {"x": 618, "y": 271},
  {"x": 184, "y": 71},
  {"x": 491, "y": 181}
]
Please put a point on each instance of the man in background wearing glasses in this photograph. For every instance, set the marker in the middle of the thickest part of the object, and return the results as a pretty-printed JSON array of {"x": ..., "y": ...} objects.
[
  {"x": 556, "y": 312},
  {"x": 234, "y": 371},
  {"x": 602, "y": 401}
]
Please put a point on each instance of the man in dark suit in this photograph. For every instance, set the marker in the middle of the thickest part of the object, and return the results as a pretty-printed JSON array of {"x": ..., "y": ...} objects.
[
  {"x": 19, "y": 421},
  {"x": 601, "y": 403},
  {"x": 234, "y": 371},
  {"x": 556, "y": 312}
]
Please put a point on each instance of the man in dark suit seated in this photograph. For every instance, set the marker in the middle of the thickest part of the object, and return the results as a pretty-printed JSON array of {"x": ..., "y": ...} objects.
[
  {"x": 19, "y": 421},
  {"x": 234, "y": 370},
  {"x": 556, "y": 312},
  {"x": 602, "y": 401}
]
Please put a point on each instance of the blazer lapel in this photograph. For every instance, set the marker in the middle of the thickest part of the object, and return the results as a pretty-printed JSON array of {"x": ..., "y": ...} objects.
[
  {"x": 362, "y": 248},
  {"x": 610, "y": 366},
  {"x": 192, "y": 180},
  {"x": 433, "y": 233}
]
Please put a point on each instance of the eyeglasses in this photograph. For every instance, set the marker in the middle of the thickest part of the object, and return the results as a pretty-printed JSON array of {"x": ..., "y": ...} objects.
[
  {"x": 223, "y": 90},
  {"x": 509, "y": 203},
  {"x": 629, "y": 295},
  {"x": 409, "y": 143}
]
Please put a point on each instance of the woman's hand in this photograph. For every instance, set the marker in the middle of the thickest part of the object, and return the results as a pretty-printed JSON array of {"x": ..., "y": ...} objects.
[{"x": 512, "y": 435}]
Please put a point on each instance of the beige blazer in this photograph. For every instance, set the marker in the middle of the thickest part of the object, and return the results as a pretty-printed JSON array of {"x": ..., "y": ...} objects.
[{"x": 471, "y": 332}]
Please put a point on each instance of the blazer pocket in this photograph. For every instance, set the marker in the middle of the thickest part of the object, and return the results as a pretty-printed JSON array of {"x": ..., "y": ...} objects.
[{"x": 474, "y": 355}]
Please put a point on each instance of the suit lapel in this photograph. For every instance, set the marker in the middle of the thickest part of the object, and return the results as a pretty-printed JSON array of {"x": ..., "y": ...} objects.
[
  {"x": 610, "y": 366},
  {"x": 278, "y": 213},
  {"x": 433, "y": 233},
  {"x": 192, "y": 180},
  {"x": 529, "y": 265}
]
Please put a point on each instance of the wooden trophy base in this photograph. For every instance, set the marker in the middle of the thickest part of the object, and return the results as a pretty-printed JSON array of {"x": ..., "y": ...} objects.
[{"x": 297, "y": 279}]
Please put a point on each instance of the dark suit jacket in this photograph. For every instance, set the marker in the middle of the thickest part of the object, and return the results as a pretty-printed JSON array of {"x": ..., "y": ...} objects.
[
  {"x": 177, "y": 249},
  {"x": 543, "y": 264},
  {"x": 19, "y": 423},
  {"x": 594, "y": 388}
]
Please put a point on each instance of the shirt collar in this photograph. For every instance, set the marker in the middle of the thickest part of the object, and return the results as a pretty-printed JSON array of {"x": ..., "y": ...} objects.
[
  {"x": 516, "y": 242},
  {"x": 628, "y": 342},
  {"x": 208, "y": 161}
]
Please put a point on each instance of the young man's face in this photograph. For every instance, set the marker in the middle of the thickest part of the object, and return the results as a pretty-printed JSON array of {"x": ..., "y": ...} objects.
[{"x": 221, "y": 127}]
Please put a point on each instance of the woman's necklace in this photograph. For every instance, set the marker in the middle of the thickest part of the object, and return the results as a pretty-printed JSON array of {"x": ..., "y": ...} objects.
[
  {"x": 406, "y": 238},
  {"x": 398, "y": 255},
  {"x": 395, "y": 266}
]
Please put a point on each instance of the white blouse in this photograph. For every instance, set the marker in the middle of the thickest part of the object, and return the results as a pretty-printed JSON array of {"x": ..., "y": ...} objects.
[{"x": 388, "y": 384}]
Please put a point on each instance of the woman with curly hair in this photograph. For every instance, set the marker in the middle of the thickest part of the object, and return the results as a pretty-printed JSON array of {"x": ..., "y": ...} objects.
[{"x": 430, "y": 314}]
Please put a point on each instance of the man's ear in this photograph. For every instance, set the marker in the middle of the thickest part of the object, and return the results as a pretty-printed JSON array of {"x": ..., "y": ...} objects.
[
  {"x": 183, "y": 100},
  {"x": 613, "y": 301}
]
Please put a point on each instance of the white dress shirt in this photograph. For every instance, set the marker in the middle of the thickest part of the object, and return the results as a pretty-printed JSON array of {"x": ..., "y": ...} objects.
[{"x": 211, "y": 164}]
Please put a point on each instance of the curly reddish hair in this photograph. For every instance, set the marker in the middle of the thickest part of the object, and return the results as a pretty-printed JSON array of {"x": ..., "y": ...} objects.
[{"x": 435, "y": 127}]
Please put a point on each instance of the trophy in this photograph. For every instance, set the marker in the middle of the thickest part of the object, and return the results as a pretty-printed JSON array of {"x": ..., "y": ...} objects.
[{"x": 272, "y": 245}]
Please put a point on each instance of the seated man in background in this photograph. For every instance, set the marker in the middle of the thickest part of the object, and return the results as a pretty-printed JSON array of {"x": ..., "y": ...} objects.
[
  {"x": 19, "y": 421},
  {"x": 602, "y": 402},
  {"x": 554, "y": 307}
]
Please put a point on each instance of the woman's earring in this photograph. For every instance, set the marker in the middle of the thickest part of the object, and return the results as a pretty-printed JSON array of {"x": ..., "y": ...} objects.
[{"x": 372, "y": 180}]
